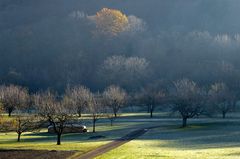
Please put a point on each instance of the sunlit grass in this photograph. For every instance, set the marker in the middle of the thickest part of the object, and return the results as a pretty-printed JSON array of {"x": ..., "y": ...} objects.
[
  {"x": 151, "y": 149},
  {"x": 202, "y": 139},
  {"x": 219, "y": 140},
  {"x": 78, "y": 142},
  {"x": 45, "y": 141}
]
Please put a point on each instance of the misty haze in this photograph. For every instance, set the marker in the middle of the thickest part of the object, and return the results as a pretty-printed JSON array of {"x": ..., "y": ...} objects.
[{"x": 131, "y": 79}]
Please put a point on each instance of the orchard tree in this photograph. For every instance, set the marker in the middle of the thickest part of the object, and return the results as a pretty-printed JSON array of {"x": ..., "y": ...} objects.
[
  {"x": 24, "y": 122},
  {"x": 108, "y": 113},
  {"x": 58, "y": 112},
  {"x": 222, "y": 98},
  {"x": 152, "y": 97},
  {"x": 188, "y": 99},
  {"x": 12, "y": 97},
  {"x": 80, "y": 97},
  {"x": 96, "y": 108},
  {"x": 115, "y": 98}
]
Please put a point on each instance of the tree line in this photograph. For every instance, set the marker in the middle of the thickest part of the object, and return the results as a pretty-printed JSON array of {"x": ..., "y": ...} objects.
[
  {"x": 33, "y": 111},
  {"x": 48, "y": 108}
]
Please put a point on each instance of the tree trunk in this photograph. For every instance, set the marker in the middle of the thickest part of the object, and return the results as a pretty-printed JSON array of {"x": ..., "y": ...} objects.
[
  {"x": 184, "y": 122},
  {"x": 94, "y": 124},
  {"x": 111, "y": 122},
  {"x": 19, "y": 136},
  {"x": 79, "y": 113},
  {"x": 115, "y": 114},
  {"x": 59, "y": 139},
  {"x": 9, "y": 112},
  {"x": 151, "y": 111},
  {"x": 223, "y": 114}
]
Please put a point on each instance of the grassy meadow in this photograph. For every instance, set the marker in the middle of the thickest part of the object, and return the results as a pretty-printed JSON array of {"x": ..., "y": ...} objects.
[
  {"x": 204, "y": 138},
  {"x": 79, "y": 142}
]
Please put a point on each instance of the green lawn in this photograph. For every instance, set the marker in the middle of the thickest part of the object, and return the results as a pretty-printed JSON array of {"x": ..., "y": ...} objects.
[
  {"x": 202, "y": 139},
  {"x": 207, "y": 139},
  {"x": 74, "y": 142}
]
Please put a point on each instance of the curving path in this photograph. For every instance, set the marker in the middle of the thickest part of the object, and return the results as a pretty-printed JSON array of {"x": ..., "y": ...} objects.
[{"x": 114, "y": 144}]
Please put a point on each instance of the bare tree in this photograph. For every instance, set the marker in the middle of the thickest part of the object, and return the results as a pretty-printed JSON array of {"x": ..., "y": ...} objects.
[
  {"x": 135, "y": 24},
  {"x": 58, "y": 112},
  {"x": 12, "y": 97},
  {"x": 114, "y": 97},
  {"x": 110, "y": 115},
  {"x": 188, "y": 99},
  {"x": 96, "y": 109},
  {"x": 222, "y": 98},
  {"x": 151, "y": 96},
  {"x": 129, "y": 72},
  {"x": 80, "y": 97},
  {"x": 23, "y": 121}
]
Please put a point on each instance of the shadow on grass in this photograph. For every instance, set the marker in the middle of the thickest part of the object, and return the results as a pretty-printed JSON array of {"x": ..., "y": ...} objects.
[
  {"x": 200, "y": 134},
  {"x": 115, "y": 132},
  {"x": 197, "y": 136}
]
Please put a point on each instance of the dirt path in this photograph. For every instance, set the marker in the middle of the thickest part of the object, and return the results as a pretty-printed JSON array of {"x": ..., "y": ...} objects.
[{"x": 114, "y": 144}]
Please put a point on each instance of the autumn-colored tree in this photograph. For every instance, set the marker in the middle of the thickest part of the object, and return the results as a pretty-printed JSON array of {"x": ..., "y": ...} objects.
[{"x": 110, "y": 22}]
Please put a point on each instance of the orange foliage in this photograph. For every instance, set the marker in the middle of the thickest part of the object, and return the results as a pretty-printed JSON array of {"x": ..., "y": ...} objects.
[{"x": 110, "y": 21}]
